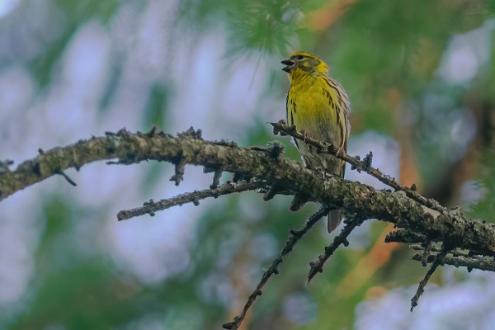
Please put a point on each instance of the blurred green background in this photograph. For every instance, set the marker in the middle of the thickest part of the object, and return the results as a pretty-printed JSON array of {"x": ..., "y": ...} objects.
[{"x": 421, "y": 77}]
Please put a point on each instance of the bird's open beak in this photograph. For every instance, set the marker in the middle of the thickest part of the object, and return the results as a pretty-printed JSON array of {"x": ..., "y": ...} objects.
[{"x": 289, "y": 65}]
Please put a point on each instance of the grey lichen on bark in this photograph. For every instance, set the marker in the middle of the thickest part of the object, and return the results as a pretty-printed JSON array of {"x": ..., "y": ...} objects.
[
  {"x": 365, "y": 201},
  {"x": 417, "y": 219}
]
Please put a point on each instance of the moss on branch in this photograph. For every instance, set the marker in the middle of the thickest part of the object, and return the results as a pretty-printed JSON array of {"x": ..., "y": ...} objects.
[{"x": 189, "y": 148}]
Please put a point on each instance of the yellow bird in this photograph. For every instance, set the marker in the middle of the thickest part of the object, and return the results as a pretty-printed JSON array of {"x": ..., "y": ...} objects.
[{"x": 319, "y": 106}]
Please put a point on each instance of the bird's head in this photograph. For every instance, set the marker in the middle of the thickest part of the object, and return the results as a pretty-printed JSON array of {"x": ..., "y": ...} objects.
[{"x": 304, "y": 63}]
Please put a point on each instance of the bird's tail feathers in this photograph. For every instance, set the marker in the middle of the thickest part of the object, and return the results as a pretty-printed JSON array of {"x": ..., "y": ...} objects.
[{"x": 334, "y": 219}]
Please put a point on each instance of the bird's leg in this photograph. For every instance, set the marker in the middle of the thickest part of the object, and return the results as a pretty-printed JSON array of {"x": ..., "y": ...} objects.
[
  {"x": 340, "y": 151},
  {"x": 305, "y": 135}
]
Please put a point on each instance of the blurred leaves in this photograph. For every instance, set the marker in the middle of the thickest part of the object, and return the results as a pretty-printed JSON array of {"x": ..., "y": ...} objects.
[
  {"x": 485, "y": 207},
  {"x": 388, "y": 56},
  {"x": 85, "y": 295},
  {"x": 73, "y": 13},
  {"x": 74, "y": 285},
  {"x": 79, "y": 11},
  {"x": 155, "y": 110},
  {"x": 268, "y": 26},
  {"x": 154, "y": 116}
]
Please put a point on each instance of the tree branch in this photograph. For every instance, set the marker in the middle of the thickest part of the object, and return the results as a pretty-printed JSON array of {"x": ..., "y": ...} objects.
[
  {"x": 295, "y": 236},
  {"x": 341, "y": 239},
  {"x": 418, "y": 219},
  {"x": 470, "y": 262},
  {"x": 356, "y": 163},
  {"x": 189, "y": 148},
  {"x": 455, "y": 257},
  {"x": 192, "y": 197},
  {"x": 438, "y": 259}
]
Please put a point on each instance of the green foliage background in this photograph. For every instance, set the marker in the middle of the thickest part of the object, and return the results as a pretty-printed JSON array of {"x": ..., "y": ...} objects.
[{"x": 387, "y": 54}]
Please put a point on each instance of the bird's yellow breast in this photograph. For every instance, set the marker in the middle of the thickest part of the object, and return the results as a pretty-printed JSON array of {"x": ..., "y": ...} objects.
[{"x": 311, "y": 107}]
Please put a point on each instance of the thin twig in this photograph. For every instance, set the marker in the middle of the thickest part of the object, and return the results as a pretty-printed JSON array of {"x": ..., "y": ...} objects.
[
  {"x": 5, "y": 165},
  {"x": 192, "y": 197},
  {"x": 410, "y": 237},
  {"x": 357, "y": 163},
  {"x": 436, "y": 262},
  {"x": 405, "y": 236},
  {"x": 178, "y": 176},
  {"x": 456, "y": 260},
  {"x": 438, "y": 249},
  {"x": 428, "y": 245},
  {"x": 317, "y": 266},
  {"x": 66, "y": 177},
  {"x": 216, "y": 178},
  {"x": 294, "y": 237}
]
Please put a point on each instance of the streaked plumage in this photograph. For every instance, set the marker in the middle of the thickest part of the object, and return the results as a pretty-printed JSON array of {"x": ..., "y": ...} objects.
[{"x": 319, "y": 106}]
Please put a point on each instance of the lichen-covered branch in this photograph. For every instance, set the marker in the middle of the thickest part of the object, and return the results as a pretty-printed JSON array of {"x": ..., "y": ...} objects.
[
  {"x": 356, "y": 163},
  {"x": 455, "y": 257},
  {"x": 190, "y": 148},
  {"x": 470, "y": 262},
  {"x": 151, "y": 207},
  {"x": 418, "y": 220}
]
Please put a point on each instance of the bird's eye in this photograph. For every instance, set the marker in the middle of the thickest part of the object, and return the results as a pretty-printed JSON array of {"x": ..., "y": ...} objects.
[{"x": 299, "y": 57}]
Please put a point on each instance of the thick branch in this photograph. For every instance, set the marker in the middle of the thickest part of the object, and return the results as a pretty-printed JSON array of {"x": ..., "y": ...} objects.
[
  {"x": 189, "y": 148},
  {"x": 357, "y": 163}
]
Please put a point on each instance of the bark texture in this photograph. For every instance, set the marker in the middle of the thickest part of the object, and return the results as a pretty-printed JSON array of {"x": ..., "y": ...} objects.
[
  {"x": 264, "y": 164},
  {"x": 421, "y": 222}
]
